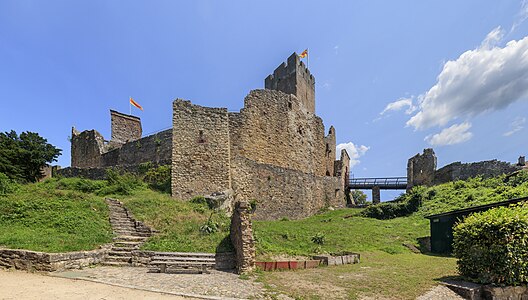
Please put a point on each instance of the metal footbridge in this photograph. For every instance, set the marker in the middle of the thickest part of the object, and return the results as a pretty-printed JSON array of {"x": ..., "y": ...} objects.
[{"x": 385, "y": 183}]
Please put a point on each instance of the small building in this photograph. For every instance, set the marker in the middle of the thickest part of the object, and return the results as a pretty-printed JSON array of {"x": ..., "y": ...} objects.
[{"x": 442, "y": 224}]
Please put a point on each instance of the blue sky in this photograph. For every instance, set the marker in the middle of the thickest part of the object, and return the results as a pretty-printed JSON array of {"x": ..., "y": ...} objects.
[{"x": 393, "y": 77}]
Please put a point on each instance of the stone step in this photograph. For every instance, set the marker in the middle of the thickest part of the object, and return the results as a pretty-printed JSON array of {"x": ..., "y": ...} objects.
[
  {"x": 184, "y": 259},
  {"x": 129, "y": 238},
  {"x": 125, "y": 259},
  {"x": 127, "y": 244},
  {"x": 120, "y": 253},
  {"x": 123, "y": 249},
  {"x": 185, "y": 254},
  {"x": 115, "y": 264}
]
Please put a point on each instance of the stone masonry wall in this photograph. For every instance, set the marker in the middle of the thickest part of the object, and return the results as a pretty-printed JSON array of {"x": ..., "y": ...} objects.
[
  {"x": 201, "y": 150},
  {"x": 282, "y": 192},
  {"x": 342, "y": 169},
  {"x": 155, "y": 148},
  {"x": 421, "y": 169},
  {"x": 241, "y": 234},
  {"x": 49, "y": 262},
  {"x": 125, "y": 128},
  {"x": 463, "y": 171},
  {"x": 293, "y": 77},
  {"x": 86, "y": 148},
  {"x": 330, "y": 152},
  {"x": 275, "y": 129}
]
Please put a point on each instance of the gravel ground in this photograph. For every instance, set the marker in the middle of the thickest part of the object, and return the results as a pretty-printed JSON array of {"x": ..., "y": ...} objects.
[
  {"x": 440, "y": 292},
  {"x": 216, "y": 284}
]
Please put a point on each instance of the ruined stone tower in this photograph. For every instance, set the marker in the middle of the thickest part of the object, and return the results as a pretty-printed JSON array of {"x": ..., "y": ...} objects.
[{"x": 293, "y": 77}]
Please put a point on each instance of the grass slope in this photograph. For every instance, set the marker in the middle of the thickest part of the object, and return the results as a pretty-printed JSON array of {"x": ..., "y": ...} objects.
[
  {"x": 343, "y": 230},
  {"x": 43, "y": 217},
  {"x": 178, "y": 223}
]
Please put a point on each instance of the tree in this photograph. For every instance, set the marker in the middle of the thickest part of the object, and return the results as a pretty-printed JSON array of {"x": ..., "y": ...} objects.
[
  {"x": 359, "y": 197},
  {"x": 22, "y": 157}
]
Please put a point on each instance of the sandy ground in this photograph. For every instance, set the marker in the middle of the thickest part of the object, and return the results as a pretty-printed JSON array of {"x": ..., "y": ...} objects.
[{"x": 23, "y": 285}]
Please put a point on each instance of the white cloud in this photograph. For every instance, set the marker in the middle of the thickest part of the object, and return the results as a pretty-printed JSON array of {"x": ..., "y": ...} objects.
[
  {"x": 455, "y": 134},
  {"x": 492, "y": 39},
  {"x": 516, "y": 125},
  {"x": 355, "y": 152},
  {"x": 485, "y": 79},
  {"x": 521, "y": 16},
  {"x": 399, "y": 105}
]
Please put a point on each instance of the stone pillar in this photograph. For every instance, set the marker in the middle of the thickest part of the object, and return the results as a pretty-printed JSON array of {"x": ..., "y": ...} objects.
[
  {"x": 242, "y": 237},
  {"x": 376, "y": 195}
]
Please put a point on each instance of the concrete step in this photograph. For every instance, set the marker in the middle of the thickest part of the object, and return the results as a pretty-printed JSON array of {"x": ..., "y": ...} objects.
[{"x": 184, "y": 259}]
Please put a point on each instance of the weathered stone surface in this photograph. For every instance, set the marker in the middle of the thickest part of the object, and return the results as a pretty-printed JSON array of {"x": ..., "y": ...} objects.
[
  {"x": 281, "y": 192},
  {"x": 421, "y": 169},
  {"x": 463, "y": 171},
  {"x": 49, "y": 262},
  {"x": 490, "y": 292},
  {"x": 241, "y": 234},
  {"x": 200, "y": 153}
]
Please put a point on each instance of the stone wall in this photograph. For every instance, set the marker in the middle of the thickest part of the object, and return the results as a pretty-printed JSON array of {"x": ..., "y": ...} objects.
[
  {"x": 201, "y": 151},
  {"x": 330, "y": 152},
  {"x": 463, "y": 171},
  {"x": 282, "y": 192},
  {"x": 275, "y": 129},
  {"x": 125, "y": 128},
  {"x": 341, "y": 169},
  {"x": 86, "y": 148},
  {"x": 155, "y": 148},
  {"x": 421, "y": 169},
  {"x": 241, "y": 234},
  {"x": 49, "y": 262},
  {"x": 293, "y": 77}
]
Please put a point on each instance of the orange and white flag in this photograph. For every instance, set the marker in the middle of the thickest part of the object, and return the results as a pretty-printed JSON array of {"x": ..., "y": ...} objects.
[
  {"x": 304, "y": 54},
  {"x": 135, "y": 103}
]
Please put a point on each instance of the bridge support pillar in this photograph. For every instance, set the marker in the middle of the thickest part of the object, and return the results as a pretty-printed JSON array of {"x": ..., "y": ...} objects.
[{"x": 376, "y": 195}]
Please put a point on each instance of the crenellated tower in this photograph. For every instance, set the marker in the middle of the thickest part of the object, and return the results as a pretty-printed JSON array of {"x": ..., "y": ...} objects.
[{"x": 293, "y": 77}]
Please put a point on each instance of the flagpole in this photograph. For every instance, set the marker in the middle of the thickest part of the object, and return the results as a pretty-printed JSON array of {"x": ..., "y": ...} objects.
[
  {"x": 308, "y": 58},
  {"x": 129, "y": 106}
]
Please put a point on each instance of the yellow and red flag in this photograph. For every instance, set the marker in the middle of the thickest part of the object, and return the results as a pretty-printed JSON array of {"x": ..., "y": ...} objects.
[
  {"x": 135, "y": 103},
  {"x": 304, "y": 54}
]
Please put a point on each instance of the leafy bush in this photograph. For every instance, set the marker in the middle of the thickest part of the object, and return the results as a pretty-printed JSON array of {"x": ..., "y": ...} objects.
[
  {"x": 6, "y": 185},
  {"x": 318, "y": 238},
  {"x": 404, "y": 205},
  {"x": 492, "y": 246},
  {"x": 120, "y": 184},
  {"x": 159, "y": 178}
]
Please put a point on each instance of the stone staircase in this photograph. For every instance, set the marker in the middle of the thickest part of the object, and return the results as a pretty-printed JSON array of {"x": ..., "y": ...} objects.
[
  {"x": 182, "y": 262},
  {"x": 129, "y": 234}
]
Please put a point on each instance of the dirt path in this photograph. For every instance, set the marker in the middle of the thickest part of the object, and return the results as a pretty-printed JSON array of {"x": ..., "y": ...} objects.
[{"x": 23, "y": 285}]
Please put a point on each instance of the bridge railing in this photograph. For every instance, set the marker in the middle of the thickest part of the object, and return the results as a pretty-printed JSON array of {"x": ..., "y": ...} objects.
[{"x": 386, "y": 182}]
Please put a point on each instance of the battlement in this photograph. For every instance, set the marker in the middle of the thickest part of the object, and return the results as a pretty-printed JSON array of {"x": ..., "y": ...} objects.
[{"x": 293, "y": 77}]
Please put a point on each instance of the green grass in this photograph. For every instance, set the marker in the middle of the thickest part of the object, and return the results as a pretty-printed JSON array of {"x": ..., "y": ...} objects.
[
  {"x": 42, "y": 217},
  {"x": 343, "y": 230},
  {"x": 379, "y": 275},
  {"x": 178, "y": 223},
  {"x": 473, "y": 192}
]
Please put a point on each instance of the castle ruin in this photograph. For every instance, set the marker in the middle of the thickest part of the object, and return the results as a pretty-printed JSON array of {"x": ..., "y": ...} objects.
[{"x": 274, "y": 151}]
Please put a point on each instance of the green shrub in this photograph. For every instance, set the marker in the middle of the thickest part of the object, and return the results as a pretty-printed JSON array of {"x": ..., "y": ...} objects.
[
  {"x": 120, "y": 184},
  {"x": 492, "y": 246},
  {"x": 404, "y": 205},
  {"x": 159, "y": 178},
  {"x": 318, "y": 238},
  {"x": 7, "y": 185}
]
